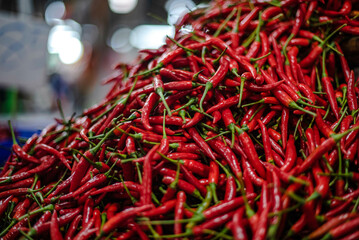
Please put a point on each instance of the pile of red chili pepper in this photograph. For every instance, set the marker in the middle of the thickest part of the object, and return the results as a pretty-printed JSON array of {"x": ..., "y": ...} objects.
[{"x": 242, "y": 126}]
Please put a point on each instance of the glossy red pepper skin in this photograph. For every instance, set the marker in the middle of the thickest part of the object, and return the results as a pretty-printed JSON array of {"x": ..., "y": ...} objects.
[
  {"x": 183, "y": 185},
  {"x": 23, "y": 155},
  {"x": 213, "y": 223},
  {"x": 55, "y": 231},
  {"x": 290, "y": 155},
  {"x": 149, "y": 104},
  {"x": 121, "y": 217},
  {"x": 225, "y": 207},
  {"x": 352, "y": 98},
  {"x": 179, "y": 211},
  {"x": 328, "y": 88},
  {"x": 146, "y": 198},
  {"x": 270, "y": 12},
  {"x": 251, "y": 153},
  {"x": 228, "y": 102},
  {"x": 227, "y": 154}
]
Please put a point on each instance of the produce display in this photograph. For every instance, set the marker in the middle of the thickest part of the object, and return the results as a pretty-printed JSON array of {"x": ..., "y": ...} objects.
[{"x": 242, "y": 126}]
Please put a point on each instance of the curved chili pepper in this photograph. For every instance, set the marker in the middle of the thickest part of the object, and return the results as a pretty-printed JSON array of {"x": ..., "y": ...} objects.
[
  {"x": 314, "y": 54},
  {"x": 283, "y": 97},
  {"x": 53, "y": 151},
  {"x": 183, "y": 185},
  {"x": 121, "y": 217},
  {"x": 251, "y": 174},
  {"x": 193, "y": 180},
  {"x": 215, "y": 80},
  {"x": 323, "y": 148},
  {"x": 271, "y": 12},
  {"x": 163, "y": 209},
  {"x": 213, "y": 223},
  {"x": 250, "y": 151},
  {"x": 265, "y": 47},
  {"x": 231, "y": 189},
  {"x": 228, "y": 102},
  {"x": 227, "y": 154},
  {"x": 72, "y": 228},
  {"x": 86, "y": 231},
  {"x": 146, "y": 109}
]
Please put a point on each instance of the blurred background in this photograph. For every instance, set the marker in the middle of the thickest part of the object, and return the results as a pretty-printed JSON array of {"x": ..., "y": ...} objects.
[{"x": 63, "y": 50}]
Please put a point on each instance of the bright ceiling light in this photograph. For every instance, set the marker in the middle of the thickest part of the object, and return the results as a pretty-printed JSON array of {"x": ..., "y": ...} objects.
[
  {"x": 150, "y": 36},
  {"x": 122, "y": 6},
  {"x": 54, "y": 11},
  {"x": 65, "y": 42},
  {"x": 119, "y": 41},
  {"x": 177, "y": 8},
  {"x": 72, "y": 52}
]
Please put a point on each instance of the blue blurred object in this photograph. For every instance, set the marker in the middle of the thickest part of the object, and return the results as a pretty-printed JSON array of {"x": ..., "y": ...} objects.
[
  {"x": 5, "y": 148},
  {"x": 5, "y": 145}
]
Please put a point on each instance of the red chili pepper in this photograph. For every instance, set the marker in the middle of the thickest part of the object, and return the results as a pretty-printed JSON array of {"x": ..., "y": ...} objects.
[
  {"x": 196, "y": 167},
  {"x": 263, "y": 88},
  {"x": 328, "y": 88},
  {"x": 149, "y": 104},
  {"x": 196, "y": 119},
  {"x": 266, "y": 144},
  {"x": 284, "y": 126},
  {"x": 20, "y": 184},
  {"x": 121, "y": 217},
  {"x": 55, "y": 231},
  {"x": 250, "y": 151},
  {"x": 340, "y": 209},
  {"x": 265, "y": 47},
  {"x": 261, "y": 228},
  {"x": 343, "y": 229},
  {"x": 183, "y": 185},
  {"x": 320, "y": 150},
  {"x": 228, "y": 102},
  {"x": 238, "y": 228},
  {"x": 225, "y": 207},
  {"x": 352, "y": 99},
  {"x": 255, "y": 46},
  {"x": 179, "y": 211},
  {"x": 245, "y": 22},
  {"x": 185, "y": 147},
  {"x": 283, "y": 97},
  {"x": 86, "y": 231},
  {"x": 72, "y": 228},
  {"x": 193, "y": 180},
  {"x": 147, "y": 177},
  {"x": 23, "y": 155},
  {"x": 227, "y": 154},
  {"x": 251, "y": 174},
  {"x": 184, "y": 155},
  {"x": 47, "y": 162},
  {"x": 231, "y": 189},
  {"x": 53, "y": 151},
  {"x": 311, "y": 8},
  {"x": 332, "y": 223},
  {"x": 215, "y": 80},
  {"x": 271, "y": 12},
  {"x": 163, "y": 209},
  {"x": 213, "y": 223}
]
